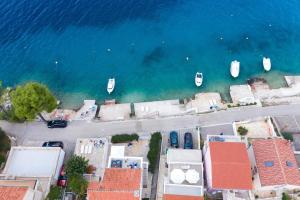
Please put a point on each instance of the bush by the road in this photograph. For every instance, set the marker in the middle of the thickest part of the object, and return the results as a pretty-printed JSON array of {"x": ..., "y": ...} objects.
[
  {"x": 154, "y": 148},
  {"x": 288, "y": 136},
  {"x": 4, "y": 146},
  {"x": 76, "y": 165},
  {"x": 78, "y": 185},
  {"x": 242, "y": 130},
  {"x": 124, "y": 138}
]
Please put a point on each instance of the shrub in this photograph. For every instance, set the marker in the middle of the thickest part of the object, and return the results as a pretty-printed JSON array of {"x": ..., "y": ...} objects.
[
  {"x": 288, "y": 136},
  {"x": 242, "y": 130},
  {"x": 78, "y": 185},
  {"x": 229, "y": 106},
  {"x": 285, "y": 196},
  {"x": 124, "y": 138},
  {"x": 2, "y": 159},
  {"x": 90, "y": 169},
  {"x": 4, "y": 142},
  {"x": 54, "y": 193},
  {"x": 76, "y": 165},
  {"x": 154, "y": 148}
]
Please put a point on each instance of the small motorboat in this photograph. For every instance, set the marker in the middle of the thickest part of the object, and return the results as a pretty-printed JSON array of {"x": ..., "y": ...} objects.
[
  {"x": 235, "y": 68},
  {"x": 110, "y": 85},
  {"x": 267, "y": 63},
  {"x": 198, "y": 79}
]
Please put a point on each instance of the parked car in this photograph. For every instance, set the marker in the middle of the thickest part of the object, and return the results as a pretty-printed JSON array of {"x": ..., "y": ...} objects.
[
  {"x": 174, "y": 139},
  {"x": 188, "y": 141},
  {"x": 62, "y": 181},
  {"x": 57, "y": 124},
  {"x": 54, "y": 144}
]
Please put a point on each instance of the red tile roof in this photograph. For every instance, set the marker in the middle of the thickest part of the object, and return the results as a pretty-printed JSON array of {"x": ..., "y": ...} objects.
[
  {"x": 181, "y": 197},
  {"x": 279, "y": 151},
  {"x": 117, "y": 184},
  {"x": 230, "y": 165},
  {"x": 12, "y": 193}
]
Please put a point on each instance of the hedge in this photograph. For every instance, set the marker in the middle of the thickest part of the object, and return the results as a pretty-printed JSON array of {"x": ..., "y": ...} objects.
[
  {"x": 124, "y": 138},
  {"x": 154, "y": 148},
  {"x": 288, "y": 136}
]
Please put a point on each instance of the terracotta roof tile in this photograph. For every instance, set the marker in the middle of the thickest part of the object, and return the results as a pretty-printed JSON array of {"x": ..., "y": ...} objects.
[
  {"x": 108, "y": 195},
  {"x": 12, "y": 193},
  {"x": 278, "y": 152},
  {"x": 181, "y": 197},
  {"x": 117, "y": 183},
  {"x": 231, "y": 167}
]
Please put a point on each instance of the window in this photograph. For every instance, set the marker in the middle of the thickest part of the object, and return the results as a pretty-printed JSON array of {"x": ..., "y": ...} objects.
[
  {"x": 289, "y": 163},
  {"x": 269, "y": 163}
]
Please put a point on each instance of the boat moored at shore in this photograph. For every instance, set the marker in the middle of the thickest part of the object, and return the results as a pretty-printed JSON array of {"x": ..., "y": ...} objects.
[{"x": 235, "y": 68}]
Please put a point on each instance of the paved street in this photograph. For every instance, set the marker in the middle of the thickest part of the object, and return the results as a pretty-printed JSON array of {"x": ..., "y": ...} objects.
[{"x": 36, "y": 132}]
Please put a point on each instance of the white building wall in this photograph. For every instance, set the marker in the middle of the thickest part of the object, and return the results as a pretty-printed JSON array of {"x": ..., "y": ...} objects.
[{"x": 208, "y": 167}]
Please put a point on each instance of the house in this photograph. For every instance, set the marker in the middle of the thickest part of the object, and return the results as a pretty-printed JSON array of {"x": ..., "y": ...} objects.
[
  {"x": 184, "y": 175},
  {"x": 40, "y": 165},
  {"x": 227, "y": 166},
  {"x": 117, "y": 184},
  {"x": 274, "y": 167},
  {"x": 15, "y": 193},
  {"x": 20, "y": 189},
  {"x": 123, "y": 177}
]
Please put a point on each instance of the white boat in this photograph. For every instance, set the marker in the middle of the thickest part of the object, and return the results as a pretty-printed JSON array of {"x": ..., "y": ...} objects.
[
  {"x": 267, "y": 63},
  {"x": 110, "y": 85},
  {"x": 198, "y": 79},
  {"x": 235, "y": 68}
]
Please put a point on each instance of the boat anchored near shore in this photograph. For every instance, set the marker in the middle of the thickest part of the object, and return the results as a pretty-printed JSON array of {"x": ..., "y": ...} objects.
[
  {"x": 235, "y": 68},
  {"x": 267, "y": 63},
  {"x": 198, "y": 79},
  {"x": 110, "y": 85}
]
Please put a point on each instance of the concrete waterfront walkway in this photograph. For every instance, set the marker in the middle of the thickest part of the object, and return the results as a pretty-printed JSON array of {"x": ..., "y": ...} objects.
[{"x": 38, "y": 131}]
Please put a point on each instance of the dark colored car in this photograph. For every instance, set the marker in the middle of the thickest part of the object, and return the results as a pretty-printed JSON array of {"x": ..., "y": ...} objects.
[
  {"x": 188, "y": 141},
  {"x": 62, "y": 181},
  {"x": 54, "y": 144},
  {"x": 57, "y": 124},
  {"x": 174, "y": 139}
]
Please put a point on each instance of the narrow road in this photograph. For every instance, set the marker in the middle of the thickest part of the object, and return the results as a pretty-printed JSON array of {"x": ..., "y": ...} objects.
[{"x": 37, "y": 131}]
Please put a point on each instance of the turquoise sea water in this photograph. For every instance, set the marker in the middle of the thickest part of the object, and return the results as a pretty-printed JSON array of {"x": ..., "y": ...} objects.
[{"x": 148, "y": 42}]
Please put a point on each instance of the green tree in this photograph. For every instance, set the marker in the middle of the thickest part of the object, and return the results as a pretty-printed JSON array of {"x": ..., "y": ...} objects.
[
  {"x": 31, "y": 99},
  {"x": 78, "y": 185},
  {"x": 76, "y": 165}
]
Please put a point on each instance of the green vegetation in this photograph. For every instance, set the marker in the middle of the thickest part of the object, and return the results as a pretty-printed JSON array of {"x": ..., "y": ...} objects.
[
  {"x": 31, "y": 99},
  {"x": 154, "y": 149},
  {"x": 285, "y": 196},
  {"x": 242, "y": 130},
  {"x": 4, "y": 146},
  {"x": 78, "y": 185},
  {"x": 76, "y": 165},
  {"x": 288, "y": 136},
  {"x": 55, "y": 193},
  {"x": 124, "y": 138},
  {"x": 75, "y": 168}
]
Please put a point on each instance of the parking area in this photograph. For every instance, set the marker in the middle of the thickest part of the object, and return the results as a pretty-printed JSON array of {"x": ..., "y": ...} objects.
[
  {"x": 181, "y": 133},
  {"x": 289, "y": 123},
  {"x": 225, "y": 129}
]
